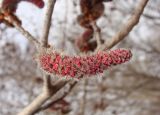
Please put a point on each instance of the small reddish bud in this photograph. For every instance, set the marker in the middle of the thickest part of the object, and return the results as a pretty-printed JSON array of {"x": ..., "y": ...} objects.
[
  {"x": 85, "y": 42},
  {"x": 9, "y": 7},
  {"x": 38, "y": 3}
]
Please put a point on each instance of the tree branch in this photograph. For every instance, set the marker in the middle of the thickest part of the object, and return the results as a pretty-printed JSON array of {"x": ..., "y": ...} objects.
[
  {"x": 43, "y": 97},
  {"x": 126, "y": 29},
  {"x": 22, "y": 30},
  {"x": 46, "y": 106},
  {"x": 48, "y": 88},
  {"x": 97, "y": 34},
  {"x": 47, "y": 22}
]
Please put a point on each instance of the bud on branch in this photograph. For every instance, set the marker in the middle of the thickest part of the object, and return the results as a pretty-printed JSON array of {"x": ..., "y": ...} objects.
[{"x": 76, "y": 67}]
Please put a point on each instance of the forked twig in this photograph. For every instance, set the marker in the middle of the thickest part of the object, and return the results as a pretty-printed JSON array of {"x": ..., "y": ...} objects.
[
  {"x": 46, "y": 106},
  {"x": 126, "y": 29},
  {"x": 46, "y": 94},
  {"x": 49, "y": 90},
  {"x": 97, "y": 34}
]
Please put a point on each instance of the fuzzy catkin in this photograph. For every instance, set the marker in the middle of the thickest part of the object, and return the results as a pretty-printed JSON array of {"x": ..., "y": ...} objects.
[{"x": 76, "y": 66}]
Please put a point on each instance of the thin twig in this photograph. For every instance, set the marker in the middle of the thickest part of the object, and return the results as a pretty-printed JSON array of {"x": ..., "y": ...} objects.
[
  {"x": 48, "y": 88},
  {"x": 97, "y": 34},
  {"x": 47, "y": 22},
  {"x": 42, "y": 98},
  {"x": 72, "y": 84},
  {"x": 126, "y": 29},
  {"x": 44, "y": 41},
  {"x": 23, "y": 31}
]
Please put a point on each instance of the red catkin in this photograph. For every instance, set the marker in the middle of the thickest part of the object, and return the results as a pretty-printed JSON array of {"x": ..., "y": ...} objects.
[{"x": 76, "y": 67}]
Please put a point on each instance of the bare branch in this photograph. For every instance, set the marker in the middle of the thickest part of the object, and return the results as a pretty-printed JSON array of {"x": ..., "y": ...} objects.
[
  {"x": 72, "y": 84},
  {"x": 126, "y": 29},
  {"x": 47, "y": 22},
  {"x": 97, "y": 34},
  {"x": 22, "y": 30},
  {"x": 43, "y": 97},
  {"x": 48, "y": 88}
]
